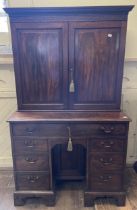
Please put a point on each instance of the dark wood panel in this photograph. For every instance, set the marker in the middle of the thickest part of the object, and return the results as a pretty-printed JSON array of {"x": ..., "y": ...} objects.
[
  {"x": 106, "y": 162},
  {"x": 106, "y": 182},
  {"x": 41, "y": 129},
  {"x": 32, "y": 181},
  {"x": 113, "y": 144},
  {"x": 61, "y": 130},
  {"x": 38, "y": 48},
  {"x": 96, "y": 54},
  {"x": 94, "y": 50},
  {"x": 42, "y": 69},
  {"x": 32, "y": 162},
  {"x": 27, "y": 144},
  {"x": 98, "y": 129}
]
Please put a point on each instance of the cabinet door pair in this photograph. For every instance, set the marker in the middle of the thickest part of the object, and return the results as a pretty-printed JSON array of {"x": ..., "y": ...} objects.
[{"x": 68, "y": 65}]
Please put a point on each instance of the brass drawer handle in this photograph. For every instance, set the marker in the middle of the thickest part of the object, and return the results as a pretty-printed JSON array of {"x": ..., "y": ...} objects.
[
  {"x": 70, "y": 146},
  {"x": 107, "y": 130},
  {"x": 106, "y": 162},
  {"x": 111, "y": 143},
  {"x": 29, "y": 143},
  {"x": 106, "y": 179},
  {"x": 30, "y": 130},
  {"x": 31, "y": 160},
  {"x": 32, "y": 179},
  {"x": 107, "y": 146}
]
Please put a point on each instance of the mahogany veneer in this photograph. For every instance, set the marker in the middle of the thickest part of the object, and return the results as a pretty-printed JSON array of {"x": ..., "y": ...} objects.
[
  {"x": 68, "y": 69},
  {"x": 55, "y": 48},
  {"x": 102, "y": 135}
]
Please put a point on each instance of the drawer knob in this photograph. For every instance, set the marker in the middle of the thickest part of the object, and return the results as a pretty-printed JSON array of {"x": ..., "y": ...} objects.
[
  {"x": 31, "y": 160},
  {"x": 107, "y": 130},
  {"x": 106, "y": 162},
  {"x": 32, "y": 179},
  {"x": 106, "y": 178}
]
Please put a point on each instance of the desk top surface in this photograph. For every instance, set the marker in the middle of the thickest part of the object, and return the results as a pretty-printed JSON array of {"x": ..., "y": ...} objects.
[{"x": 68, "y": 116}]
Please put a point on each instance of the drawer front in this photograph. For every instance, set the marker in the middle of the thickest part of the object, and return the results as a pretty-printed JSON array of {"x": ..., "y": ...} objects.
[
  {"x": 106, "y": 129},
  {"x": 32, "y": 181},
  {"x": 34, "y": 129},
  {"x": 106, "y": 162},
  {"x": 31, "y": 162},
  {"x": 106, "y": 182},
  {"x": 61, "y": 130},
  {"x": 30, "y": 144},
  {"x": 106, "y": 145}
]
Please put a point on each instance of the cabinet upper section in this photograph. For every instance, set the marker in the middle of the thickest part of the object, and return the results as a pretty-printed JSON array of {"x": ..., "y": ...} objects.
[{"x": 69, "y": 58}]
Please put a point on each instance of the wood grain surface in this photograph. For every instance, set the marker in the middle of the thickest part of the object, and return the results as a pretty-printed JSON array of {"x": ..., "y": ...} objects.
[{"x": 68, "y": 116}]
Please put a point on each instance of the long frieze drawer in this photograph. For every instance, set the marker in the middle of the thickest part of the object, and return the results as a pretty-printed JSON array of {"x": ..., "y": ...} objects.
[
  {"x": 106, "y": 129},
  {"x": 39, "y": 129},
  {"x": 30, "y": 144},
  {"x": 62, "y": 130},
  {"x": 32, "y": 181},
  {"x": 31, "y": 162},
  {"x": 106, "y": 162},
  {"x": 106, "y": 182},
  {"x": 107, "y": 145}
]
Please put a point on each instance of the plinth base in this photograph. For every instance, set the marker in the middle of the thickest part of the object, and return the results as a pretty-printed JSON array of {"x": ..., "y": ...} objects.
[
  {"x": 20, "y": 197},
  {"x": 89, "y": 197}
]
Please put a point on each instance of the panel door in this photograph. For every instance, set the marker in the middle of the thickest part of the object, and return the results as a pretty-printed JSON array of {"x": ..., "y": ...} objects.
[
  {"x": 41, "y": 61},
  {"x": 96, "y": 63}
]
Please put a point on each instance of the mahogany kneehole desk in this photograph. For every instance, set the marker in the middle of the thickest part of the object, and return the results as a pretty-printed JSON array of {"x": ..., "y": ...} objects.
[{"x": 101, "y": 136}]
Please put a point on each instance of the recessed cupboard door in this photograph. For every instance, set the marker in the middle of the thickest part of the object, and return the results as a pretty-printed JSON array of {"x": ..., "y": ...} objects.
[
  {"x": 95, "y": 64},
  {"x": 41, "y": 59}
]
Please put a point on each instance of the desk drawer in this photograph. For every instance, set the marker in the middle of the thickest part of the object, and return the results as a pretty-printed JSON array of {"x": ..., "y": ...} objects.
[
  {"x": 32, "y": 162},
  {"x": 106, "y": 162},
  {"x": 30, "y": 144},
  {"x": 61, "y": 130},
  {"x": 107, "y": 145},
  {"x": 32, "y": 181},
  {"x": 106, "y": 129},
  {"x": 106, "y": 182},
  {"x": 39, "y": 129}
]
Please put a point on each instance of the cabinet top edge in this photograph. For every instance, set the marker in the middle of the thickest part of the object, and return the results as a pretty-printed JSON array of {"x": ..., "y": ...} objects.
[
  {"x": 68, "y": 117},
  {"x": 28, "y": 11}
]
